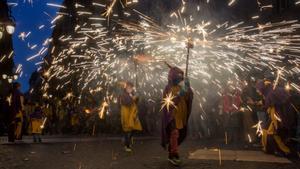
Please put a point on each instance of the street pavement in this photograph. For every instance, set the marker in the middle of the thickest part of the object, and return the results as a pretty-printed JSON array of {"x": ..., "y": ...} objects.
[{"x": 107, "y": 153}]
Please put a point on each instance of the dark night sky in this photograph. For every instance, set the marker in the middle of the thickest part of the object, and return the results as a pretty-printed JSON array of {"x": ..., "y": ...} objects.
[{"x": 28, "y": 19}]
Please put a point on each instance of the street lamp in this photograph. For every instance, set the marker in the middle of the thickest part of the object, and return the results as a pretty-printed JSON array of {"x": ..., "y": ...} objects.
[
  {"x": 10, "y": 79},
  {"x": 10, "y": 29},
  {"x": 4, "y": 76},
  {"x": 7, "y": 21},
  {"x": 8, "y": 25}
]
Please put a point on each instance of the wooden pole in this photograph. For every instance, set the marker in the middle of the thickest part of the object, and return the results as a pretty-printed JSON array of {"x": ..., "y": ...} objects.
[
  {"x": 187, "y": 61},
  {"x": 189, "y": 46},
  {"x": 226, "y": 138},
  {"x": 136, "y": 73}
]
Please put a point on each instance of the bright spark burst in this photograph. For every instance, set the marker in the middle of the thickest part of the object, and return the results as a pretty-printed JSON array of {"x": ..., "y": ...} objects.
[{"x": 168, "y": 102}]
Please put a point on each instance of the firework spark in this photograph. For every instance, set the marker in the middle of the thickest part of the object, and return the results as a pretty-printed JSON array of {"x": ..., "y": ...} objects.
[
  {"x": 259, "y": 130},
  {"x": 43, "y": 124},
  {"x": 109, "y": 9},
  {"x": 102, "y": 109}
]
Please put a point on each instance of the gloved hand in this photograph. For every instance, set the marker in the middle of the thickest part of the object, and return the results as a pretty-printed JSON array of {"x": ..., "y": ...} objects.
[
  {"x": 182, "y": 91},
  {"x": 187, "y": 83}
]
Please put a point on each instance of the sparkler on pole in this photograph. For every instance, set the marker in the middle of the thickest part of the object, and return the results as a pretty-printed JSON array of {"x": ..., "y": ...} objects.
[{"x": 189, "y": 46}]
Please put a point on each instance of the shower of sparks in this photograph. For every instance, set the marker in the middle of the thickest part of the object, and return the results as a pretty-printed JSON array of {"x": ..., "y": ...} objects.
[
  {"x": 168, "y": 102},
  {"x": 92, "y": 58}
]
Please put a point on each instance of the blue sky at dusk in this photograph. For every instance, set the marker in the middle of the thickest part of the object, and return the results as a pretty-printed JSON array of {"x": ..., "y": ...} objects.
[{"x": 29, "y": 17}]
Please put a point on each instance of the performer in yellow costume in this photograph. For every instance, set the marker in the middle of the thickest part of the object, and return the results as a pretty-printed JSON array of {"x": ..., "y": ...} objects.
[{"x": 129, "y": 115}]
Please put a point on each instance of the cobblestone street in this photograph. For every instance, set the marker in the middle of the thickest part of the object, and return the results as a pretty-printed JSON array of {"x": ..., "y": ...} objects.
[{"x": 108, "y": 153}]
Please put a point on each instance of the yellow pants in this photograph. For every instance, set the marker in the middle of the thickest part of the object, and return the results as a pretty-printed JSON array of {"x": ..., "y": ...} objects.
[{"x": 271, "y": 132}]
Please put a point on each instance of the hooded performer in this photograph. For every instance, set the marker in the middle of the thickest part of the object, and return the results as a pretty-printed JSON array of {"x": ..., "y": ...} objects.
[
  {"x": 175, "y": 117},
  {"x": 282, "y": 118},
  {"x": 129, "y": 114}
]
